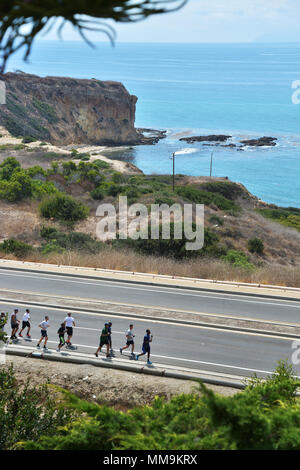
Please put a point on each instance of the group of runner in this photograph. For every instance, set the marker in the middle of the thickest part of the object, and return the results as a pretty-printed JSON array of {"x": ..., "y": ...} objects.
[
  {"x": 66, "y": 327},
  {"x": 106, "y": 340}
]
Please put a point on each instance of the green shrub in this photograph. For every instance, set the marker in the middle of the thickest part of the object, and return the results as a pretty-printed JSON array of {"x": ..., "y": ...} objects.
[
  {"x": 173, "y": 248},
  {"x": 289, "y": 217},
  {"x": 63, "y": 207},
  {"x": 226, "y": 189},
  {"x": 15, "y": 247},
  {"x": 256, "y": 245},
  {"x": 27, "y": 412},
  {"x": 198, "y": 196},
  {"x": 7, "y": 167},
  {"x": 69, "y": 241},
  {"x": 238, "y": 259},
  {"x": 98, "y": 193},
  {"x": 28, "y": 139}
]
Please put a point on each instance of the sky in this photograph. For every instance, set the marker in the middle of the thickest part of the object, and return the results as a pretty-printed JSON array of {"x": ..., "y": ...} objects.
[{"x": 211, "y": 21}]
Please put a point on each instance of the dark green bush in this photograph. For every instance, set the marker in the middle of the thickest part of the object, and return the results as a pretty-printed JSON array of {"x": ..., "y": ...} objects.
[
  {"x": 256, "y": 245},
  {"x": 192, "y": 194},
  {"x": 98, "y": 193},
  {"x": 15, "y": 247},
  {"x": 69, "y": 241},
  {"x": 27, "y": 412},
  {"x": 63, "y": 207}
]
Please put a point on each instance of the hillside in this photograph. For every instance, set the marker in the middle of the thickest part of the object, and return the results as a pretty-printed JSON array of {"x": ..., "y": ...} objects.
[{"x": 246, "y": 239}]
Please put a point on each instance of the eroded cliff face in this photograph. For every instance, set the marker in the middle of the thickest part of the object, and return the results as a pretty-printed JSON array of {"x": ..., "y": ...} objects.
[{"x": 67, "y": 111}]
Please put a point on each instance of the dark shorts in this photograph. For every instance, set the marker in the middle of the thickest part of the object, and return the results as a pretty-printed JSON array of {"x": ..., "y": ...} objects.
[
  {"x": 130, "y": 342},
  {"x": 146, "y": 348},
  {"x": 25, "y": 324},
  {"x": 103, "y": 341},
  {"x": 61, "y": 340},
  {"x": 69, "y": 330},
  {"x": 14, "y": 325},
  {"x": 44, "y": 334}
]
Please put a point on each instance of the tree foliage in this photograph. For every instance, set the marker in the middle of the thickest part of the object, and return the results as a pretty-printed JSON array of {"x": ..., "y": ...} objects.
[
  {"x": 266, "y": 415},
  {"x": 84, "y": 15}
]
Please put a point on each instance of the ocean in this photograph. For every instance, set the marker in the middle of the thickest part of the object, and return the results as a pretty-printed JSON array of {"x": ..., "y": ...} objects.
[{"x": 242, "y": 90}]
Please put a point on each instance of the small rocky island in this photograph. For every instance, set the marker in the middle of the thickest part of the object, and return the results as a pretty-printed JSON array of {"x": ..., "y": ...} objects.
[{"x": 220, "y": 138}]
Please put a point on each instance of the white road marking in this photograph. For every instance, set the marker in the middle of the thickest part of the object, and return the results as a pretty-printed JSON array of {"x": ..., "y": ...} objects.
[
  {"x": 173, "y": 291},
  {"x": 172, "y": 324}
]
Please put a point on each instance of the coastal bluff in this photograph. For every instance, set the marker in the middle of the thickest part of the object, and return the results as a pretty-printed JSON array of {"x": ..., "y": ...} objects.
[{"x": 65, "y": 111}]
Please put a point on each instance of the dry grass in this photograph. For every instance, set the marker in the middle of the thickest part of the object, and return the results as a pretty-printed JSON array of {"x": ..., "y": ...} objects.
[{"x": 127, "y": 260}]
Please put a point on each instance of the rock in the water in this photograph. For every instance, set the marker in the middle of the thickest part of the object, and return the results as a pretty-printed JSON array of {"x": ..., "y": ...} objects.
[
  {"x": 260, "y": 142},
  {"x": 206, "y": 138}
]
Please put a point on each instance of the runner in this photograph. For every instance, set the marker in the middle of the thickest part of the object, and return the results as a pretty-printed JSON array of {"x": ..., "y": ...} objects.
[
  {"x": 14, "y": 324},
  {"x": 146, "y": 347},
  {"x": 130, "y": 342},
  {"x": 69, "y": 323},
  {"x": 44, "y": 335},
  {"x": 26, "y": 324},
  {"x": 110, "y": 338},
  {"x": 61, "y": 334},
  {"x": 104, "y": 340}
]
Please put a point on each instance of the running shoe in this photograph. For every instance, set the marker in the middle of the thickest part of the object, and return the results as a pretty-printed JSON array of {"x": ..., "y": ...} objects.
[
  {"x": 20, "y": 334},
  {"x": 149, "y": 363}
]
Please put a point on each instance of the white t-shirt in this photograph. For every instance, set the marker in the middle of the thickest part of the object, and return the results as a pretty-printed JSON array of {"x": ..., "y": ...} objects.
[
  {"x": 129, "y": 335},
  {"x": 69, "y": 321},
  {"x": 44, "y": 325},
  {"x": 26, "y": 316}
]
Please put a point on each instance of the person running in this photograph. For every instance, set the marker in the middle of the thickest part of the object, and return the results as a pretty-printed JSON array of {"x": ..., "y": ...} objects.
[
  {"x": 26, "y": 324},
  {"x": 44, "y": 334},
  {"x": 69, "y": 323},
  {"x": 61, "y": 334},
  {"x": 129, "y": 342},
  {"x": 104, "y": 341},
  {"x": 110, "y": 338},
  {"x": 146, "y": 347},
  {"x": 14, "y": 323}
]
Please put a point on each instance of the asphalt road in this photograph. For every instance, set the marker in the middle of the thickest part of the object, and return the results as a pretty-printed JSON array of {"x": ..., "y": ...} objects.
[
  {"x": 205, "y": 349},
  {"x": 198, "y": 301}
]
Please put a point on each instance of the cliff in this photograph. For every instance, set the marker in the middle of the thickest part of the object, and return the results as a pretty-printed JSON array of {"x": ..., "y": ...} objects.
[{"x": 67, "y": 111}]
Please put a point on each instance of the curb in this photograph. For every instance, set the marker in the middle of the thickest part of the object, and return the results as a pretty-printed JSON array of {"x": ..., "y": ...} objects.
[
  {"x": 158, "y": 284},
  {"x": 161, "y": 319},
  {"x": 126, "y": 367}
]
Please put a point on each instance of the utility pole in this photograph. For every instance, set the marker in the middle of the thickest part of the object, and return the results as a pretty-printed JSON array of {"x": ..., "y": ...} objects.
[
  {"x": 173, "y": 156},
  {"x": 211, "y": 163}
]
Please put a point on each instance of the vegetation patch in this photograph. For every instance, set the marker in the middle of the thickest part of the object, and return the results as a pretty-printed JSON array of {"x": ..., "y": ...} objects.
[{"x": 289, "y": 217}]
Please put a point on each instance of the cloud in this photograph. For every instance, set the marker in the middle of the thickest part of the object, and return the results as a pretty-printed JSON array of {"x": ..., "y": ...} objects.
[{"x": 211, "y": 21}]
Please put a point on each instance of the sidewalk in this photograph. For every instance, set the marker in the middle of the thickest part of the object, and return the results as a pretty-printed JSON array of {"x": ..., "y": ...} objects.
[{"x": 130, "y": 366}]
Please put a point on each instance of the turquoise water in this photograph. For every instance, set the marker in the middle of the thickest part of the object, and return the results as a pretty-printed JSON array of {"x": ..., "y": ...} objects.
[{"x": 243, "y": 90}]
